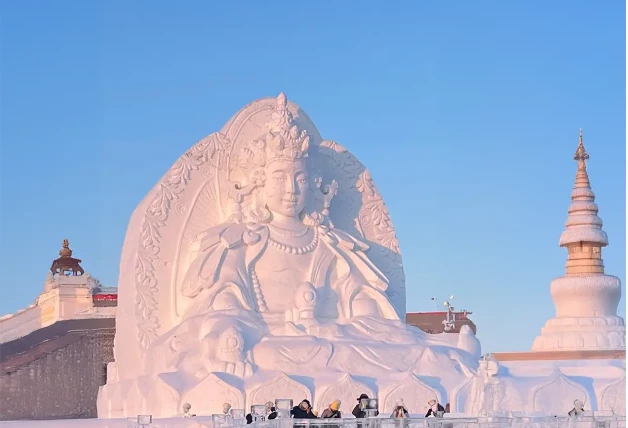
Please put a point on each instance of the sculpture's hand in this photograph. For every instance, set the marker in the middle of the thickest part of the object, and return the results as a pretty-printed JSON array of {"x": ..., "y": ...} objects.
[{"x": 240, "y": 368}]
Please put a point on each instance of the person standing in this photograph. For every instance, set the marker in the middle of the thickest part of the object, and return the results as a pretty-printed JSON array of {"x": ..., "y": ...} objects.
[
  {"x": 358, "y": 412},
  {"x": 333, "y": 411},
  {"x": 303, "y": 411},
  {"x": 434, "y": 409},
  {"x": 400, "y": 411},
  {"x": 578, "y": 409}
]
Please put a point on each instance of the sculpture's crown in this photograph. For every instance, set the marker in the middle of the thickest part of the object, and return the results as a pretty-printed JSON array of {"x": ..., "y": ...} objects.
[{"x": 283, "y": 139}]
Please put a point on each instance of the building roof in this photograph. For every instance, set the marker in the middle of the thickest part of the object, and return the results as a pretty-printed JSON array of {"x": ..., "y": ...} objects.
[{"x": 432, "y": 322}]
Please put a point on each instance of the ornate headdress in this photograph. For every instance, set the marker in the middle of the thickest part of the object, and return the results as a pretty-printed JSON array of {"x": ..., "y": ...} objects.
[{"x": 283, "y": 140}]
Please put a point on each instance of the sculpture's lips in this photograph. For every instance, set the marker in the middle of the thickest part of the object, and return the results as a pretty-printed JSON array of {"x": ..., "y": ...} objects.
[{"x": 290, "y": 201}]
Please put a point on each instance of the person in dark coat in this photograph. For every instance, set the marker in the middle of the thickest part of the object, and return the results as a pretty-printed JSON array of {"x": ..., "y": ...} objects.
[
  {"x": 357, "y": 412},
  {"x": 303, "y": 411},
  {"x": 434, "y": 407}
]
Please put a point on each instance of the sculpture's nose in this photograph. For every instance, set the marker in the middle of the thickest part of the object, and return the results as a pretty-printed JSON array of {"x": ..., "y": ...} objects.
[{"x": 290, "y": 186}]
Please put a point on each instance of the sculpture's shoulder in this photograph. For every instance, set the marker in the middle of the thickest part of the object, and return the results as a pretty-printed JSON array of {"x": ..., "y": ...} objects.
[
  {"x": 223, "y": 244},
  {"x": 355, "y": 249},
  {"x": 344, "y": 240},
  {"x": 231, "y": 236}
]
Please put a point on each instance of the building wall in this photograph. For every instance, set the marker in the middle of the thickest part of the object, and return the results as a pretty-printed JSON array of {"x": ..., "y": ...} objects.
[
  {"x": 55, "y": 378},
  {"x": 68, "y": 297}
]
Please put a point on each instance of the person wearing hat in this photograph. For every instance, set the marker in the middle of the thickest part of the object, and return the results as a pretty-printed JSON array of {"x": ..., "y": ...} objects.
[
  {"x": 400, "y": 410},
  {"x": 303, "y": 411},
  {"x": 434, "y": 408},
  {"x": 359, "y": 413},
  {"x": 333, "y": 411}
]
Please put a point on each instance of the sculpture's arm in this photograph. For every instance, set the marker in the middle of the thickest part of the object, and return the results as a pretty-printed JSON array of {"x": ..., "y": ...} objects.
[
  {"x": 208, "y": 253},
  {"x": 204, "y": 271}
]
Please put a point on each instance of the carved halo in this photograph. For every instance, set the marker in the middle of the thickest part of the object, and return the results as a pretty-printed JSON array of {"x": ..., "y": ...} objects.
[{"x": 198, "y": 184}]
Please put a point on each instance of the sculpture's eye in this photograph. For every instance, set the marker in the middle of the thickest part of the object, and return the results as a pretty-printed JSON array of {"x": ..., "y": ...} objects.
[{"x": 302, "y": 180}]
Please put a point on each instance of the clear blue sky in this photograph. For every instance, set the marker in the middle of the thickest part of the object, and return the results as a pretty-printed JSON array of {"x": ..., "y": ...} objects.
[{"x": 467, "y": 114}]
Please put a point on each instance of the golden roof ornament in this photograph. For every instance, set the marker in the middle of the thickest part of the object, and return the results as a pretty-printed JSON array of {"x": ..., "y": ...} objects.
[
  {"x": 66, "y": 265},
  {"x": 65, "y": 251},
  {"x": 581, "y": 153}
]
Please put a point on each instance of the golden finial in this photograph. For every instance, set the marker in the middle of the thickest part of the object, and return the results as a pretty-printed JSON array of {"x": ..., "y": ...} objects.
[
  {"x": 66, "y": 265},
  {"x": 581, "y": 153},
  {"x": 65, "y": 252}
]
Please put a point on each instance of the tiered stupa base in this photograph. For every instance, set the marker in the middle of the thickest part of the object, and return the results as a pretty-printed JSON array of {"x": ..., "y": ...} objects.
[{"x": 600, "y": 331}]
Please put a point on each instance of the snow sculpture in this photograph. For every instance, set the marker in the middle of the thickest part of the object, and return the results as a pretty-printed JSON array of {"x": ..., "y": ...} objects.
[
  {"x": 221, "y": 391},
  {"x": 415, "y": 393},
  {"x": 614, "y": 398},
  {"x": 265, "y": 249},
  {"x": 280, "y": 385},
  {"x": 586, "y": 299},
  {"x": 346, "y": 389},
  {"x": 559, "y": 393}
]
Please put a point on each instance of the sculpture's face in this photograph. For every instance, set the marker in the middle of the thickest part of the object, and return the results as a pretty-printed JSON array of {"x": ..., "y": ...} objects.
[{"x": 286, "y": 187}]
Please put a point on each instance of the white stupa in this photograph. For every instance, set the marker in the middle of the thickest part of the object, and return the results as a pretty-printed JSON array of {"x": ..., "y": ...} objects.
[
  {"x": 581, "y": 352},
  {"x": 586, "y": 299}
]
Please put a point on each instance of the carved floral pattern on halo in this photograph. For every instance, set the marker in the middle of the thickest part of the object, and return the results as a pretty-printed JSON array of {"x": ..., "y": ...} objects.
[{"x": 213, "y": 150}]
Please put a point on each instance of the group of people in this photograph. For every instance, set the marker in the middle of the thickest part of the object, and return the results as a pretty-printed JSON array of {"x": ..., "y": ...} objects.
[
  {"x": 435, "y": 410},
  {"x": 304, "y": 410}
]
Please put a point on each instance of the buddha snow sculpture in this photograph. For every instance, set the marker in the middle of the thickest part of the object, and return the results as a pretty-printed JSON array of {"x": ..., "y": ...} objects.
[{"x": 264, "y": 279}]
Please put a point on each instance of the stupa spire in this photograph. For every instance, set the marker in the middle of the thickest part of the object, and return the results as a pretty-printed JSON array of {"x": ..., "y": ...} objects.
[
  {"x": 581, "y": 156},
  {"x": 583, "y": 235}
]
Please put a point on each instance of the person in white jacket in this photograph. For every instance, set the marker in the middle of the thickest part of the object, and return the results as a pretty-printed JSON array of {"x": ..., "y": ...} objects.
[
  {"x": 186, "y": 410},
  {"x": 400, "y": 410}
]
